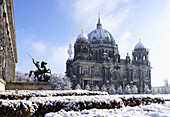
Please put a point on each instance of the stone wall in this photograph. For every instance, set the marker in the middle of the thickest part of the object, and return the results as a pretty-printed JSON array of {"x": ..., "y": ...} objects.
[
  {"x": 8, "y": 53},
  {"x": 28, "y": 86}
]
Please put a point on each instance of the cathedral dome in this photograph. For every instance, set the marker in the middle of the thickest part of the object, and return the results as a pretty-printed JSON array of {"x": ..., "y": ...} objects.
[
  {"x": 100, "y": 35},
  {"x": 82, "y": 37},
  {"x": 139, "y": 45}
]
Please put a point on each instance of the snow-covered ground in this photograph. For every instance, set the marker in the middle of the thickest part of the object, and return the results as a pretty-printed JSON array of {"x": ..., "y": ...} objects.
[
  {"x": 62, "y": 103},
  {"x": 153, "y": 110}
]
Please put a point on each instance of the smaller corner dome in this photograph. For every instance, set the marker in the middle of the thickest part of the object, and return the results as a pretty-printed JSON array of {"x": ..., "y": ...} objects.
[
  {"x": 139, "y": 45},
  {"x": 82, "y": 36}
]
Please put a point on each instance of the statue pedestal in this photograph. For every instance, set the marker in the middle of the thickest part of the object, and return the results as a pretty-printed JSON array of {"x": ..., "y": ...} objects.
[{"x": 28, "y": 86}]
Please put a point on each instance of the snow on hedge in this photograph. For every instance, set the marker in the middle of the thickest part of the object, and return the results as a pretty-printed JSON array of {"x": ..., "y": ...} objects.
[
  {"x": 26, "y": 94},
  {"x": 28, "y": 103},
  {"x": 43, "y": 105},
  {"x": 153, "y": 110}
]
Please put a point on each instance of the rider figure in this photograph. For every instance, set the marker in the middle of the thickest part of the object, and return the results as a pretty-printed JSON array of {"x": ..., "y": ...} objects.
[
  {"x": 37, "y": 65},
  {"x": 41, "y": 70},
  {"x": 38, "y": 71}
]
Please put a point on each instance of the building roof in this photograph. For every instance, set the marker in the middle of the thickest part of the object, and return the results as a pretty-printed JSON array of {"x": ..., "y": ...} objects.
[
  {"x": 139, "y": 45},
  {"x": 100, "y": 35},
  {"x": 82, "y": 36}
]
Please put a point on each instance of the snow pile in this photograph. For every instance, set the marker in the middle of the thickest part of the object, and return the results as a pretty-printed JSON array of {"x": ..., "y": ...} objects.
[
  {"x": 153, "y": 110},
  {"x": 27, "y": 94}
]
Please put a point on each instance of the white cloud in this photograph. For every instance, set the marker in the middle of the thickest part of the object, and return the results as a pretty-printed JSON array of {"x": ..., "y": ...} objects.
[
  {"x": 85, "y": 13},
  {"x": 40, "y": 48},
  {"x": 123, "y": 43},
  {"x": 57, "y": 58},
  {"x": 160, "y": 55}
]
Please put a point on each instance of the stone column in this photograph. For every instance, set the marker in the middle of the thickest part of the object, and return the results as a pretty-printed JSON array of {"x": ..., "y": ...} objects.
[
  {"x": 150, "y": 79},
  {"x": 128, "y": 78},
  {"x": 104, "y": 74},
  {"x": 132, "y": 75}
]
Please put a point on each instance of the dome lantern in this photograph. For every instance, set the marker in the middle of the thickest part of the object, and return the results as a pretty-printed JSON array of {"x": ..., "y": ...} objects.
[
  {"x": 100, "y": 35},
  {"x": 139, "y": 45},
  {"x": 82, "y": 36},
  {"x": 99, "y": 25}
]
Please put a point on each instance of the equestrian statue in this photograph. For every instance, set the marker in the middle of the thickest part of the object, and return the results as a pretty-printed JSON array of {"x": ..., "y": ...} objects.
[{"x": 42, "y": 73}]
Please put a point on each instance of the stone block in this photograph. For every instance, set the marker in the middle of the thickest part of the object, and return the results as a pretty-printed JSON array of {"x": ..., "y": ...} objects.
[{"x": 28, "y": 86}]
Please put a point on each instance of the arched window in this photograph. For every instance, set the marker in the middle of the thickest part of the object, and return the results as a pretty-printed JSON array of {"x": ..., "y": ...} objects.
[
  {"x": 97, "y": 73},
  {"x": 85, "y": 71}
]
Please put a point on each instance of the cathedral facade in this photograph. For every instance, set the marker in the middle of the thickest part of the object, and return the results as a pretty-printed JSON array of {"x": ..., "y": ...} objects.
[
  {"x": 97, "y": 62},
  {"x": 8, "y": 52}
]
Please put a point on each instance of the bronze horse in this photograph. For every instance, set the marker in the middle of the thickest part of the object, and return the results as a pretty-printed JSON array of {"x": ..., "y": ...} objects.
[{"x": 42, "y": 73}]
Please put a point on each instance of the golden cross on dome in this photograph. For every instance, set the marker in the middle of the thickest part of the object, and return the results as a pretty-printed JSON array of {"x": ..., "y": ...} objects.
[
  {"x": 98, "y": 18},
  {"x": 82, "y": 30},
  {"x": 139, "y": 40}
]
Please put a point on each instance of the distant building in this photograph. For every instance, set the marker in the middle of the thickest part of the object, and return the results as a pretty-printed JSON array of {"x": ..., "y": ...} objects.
[
  {"x": 162, "y": 89},
  {"x": 8, "y": 52},
  {"x": 97, "y": 62}
]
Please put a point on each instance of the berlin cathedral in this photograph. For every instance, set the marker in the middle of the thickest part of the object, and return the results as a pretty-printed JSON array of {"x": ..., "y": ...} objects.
[{"x": 97, "y": 62}]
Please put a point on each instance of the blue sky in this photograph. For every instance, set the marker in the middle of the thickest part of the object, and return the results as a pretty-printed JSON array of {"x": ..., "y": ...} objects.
[{"x": 43, "y": 30}]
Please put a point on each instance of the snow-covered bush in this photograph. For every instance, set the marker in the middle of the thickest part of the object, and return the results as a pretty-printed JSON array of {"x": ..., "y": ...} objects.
[
  {"x": 112, "y": 89},
  {"x": 147, "y": 90},
  {"x": 103, "y": 88},
  {"x": 21, "y": 77},
  {"x": 67, "y": 84},
  {"x": 134, "y": 89},
  {"x": 78, "y": 86},
  {"x": 95, "y": 88},
  {"x": 127, "y": 89},
  {"x": 27, "y": 94},
  {"x": 87, "y": 87},
  {"x": 41, "y": 105},
  {"x": 60, "y": 82},
  {"x": 119, "y": 90}
]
